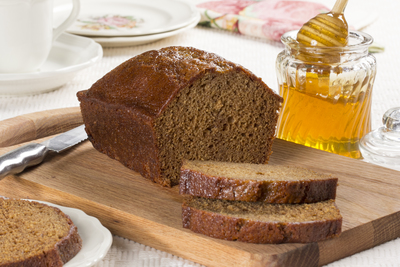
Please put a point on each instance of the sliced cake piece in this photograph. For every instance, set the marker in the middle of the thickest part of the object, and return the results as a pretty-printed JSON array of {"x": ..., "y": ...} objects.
[
  {"x": 260, "y": 222},
  {"x": 35, "y": 234},
  {"x": 255, "y": 182}
]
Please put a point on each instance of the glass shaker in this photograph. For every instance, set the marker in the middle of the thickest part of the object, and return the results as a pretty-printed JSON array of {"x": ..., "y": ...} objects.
[
  {"x": 382, "y": 146},
  {"x": 327, "y": 93}
]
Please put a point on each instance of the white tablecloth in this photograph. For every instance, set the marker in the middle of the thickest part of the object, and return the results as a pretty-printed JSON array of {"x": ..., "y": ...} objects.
[{"x": 259, "y": 56}]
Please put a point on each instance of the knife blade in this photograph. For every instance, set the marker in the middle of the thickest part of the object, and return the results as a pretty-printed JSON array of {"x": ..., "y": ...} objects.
[{"x": 31, "y": 154}]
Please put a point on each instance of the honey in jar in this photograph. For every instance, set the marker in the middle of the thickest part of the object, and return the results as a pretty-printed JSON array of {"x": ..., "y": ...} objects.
[{"x": 327, "y": 93}]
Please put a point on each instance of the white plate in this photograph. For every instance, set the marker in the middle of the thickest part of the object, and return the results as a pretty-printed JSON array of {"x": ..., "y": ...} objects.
[
  {"x": 127, "y": 17},
  {"x": 69, "y": 54},
  {"x": 139, "y": 40},
  {"x": 96, "y": 239}
]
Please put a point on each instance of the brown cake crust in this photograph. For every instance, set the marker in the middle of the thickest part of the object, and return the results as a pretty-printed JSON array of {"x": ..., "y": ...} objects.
[
  {"x": 70, "y": 245},
  {"x": 63, "y": 251},
  {"x": 196, "y": 183},
  {"x": 121, "y": 109},
  {"x": 110, "y": 132},
  {"x": 225, "y": 227},
  {"x": 157, "y": 76}
]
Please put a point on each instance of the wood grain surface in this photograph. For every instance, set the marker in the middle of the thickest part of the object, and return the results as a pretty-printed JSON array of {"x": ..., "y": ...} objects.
[
  {"x": 135, "y": 208},
  {"x": 37, "y": 125}
]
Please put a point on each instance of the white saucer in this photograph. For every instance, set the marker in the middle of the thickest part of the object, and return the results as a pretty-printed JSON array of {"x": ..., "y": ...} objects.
[
  {"x": 96, "y": 239},
  {"x": 127, "y": 17},
  {"x": 69, "y": 54},
  {"x": 139, "y": 40}
]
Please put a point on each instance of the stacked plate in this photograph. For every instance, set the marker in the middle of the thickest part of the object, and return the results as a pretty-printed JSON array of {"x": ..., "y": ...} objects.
[{"x": 129, "y": 22}]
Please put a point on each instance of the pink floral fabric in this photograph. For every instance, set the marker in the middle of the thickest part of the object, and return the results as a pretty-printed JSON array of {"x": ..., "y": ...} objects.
[
  {"x": 227, "y": 7},
  {"x": 266, "y": 18}
]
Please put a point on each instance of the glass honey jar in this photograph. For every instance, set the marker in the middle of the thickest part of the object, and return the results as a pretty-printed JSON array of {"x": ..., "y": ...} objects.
[{"x": 327, "y": 93}]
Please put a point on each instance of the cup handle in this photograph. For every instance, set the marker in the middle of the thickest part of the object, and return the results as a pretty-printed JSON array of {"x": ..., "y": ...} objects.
[{"x": 68, "y": 22}]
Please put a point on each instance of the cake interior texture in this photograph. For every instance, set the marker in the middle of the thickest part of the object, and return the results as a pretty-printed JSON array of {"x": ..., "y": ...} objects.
[
  {"x": 260, "y": 211},
  {"x": 29, "y": 229},
  {"x": 249, "y": 171},
  {"x": 221, "y": 117}
]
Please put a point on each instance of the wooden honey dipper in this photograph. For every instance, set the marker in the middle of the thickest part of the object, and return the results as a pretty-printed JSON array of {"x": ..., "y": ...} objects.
[{"x": 328, "y": 29}]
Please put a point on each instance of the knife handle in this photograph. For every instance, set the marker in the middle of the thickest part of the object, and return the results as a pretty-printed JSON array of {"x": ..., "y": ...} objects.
[{"x": 17, "y": 160}]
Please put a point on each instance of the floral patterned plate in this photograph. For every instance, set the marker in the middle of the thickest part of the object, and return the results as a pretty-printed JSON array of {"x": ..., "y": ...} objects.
[
  {"x": 127, "y": 17},
  {"x": 144, "y": 39}
]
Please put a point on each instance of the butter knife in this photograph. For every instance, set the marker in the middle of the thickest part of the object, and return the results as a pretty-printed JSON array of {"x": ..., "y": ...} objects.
[{"x": 31, "y": 154}]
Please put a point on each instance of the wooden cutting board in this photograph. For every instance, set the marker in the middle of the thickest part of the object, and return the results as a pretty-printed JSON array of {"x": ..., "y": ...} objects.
[{"x": 135, "y": 208}]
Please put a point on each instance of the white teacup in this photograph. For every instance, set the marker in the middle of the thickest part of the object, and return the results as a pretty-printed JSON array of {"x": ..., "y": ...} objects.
[{"x": 27, "y": 34}]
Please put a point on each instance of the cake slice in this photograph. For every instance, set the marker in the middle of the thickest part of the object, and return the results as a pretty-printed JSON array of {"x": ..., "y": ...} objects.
[
  {"x": 255, "y": 182},
  {"x": 35, "y": 234},
  {"x": 260, "y": 222}
]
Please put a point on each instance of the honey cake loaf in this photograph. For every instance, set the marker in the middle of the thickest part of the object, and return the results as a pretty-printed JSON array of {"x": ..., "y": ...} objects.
[
  {"x": 255, "y": 182},
  {"x": 260, "y": 222},
  {"x": 35, "y": 235},
  {"x": 177, "y": 103}
]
